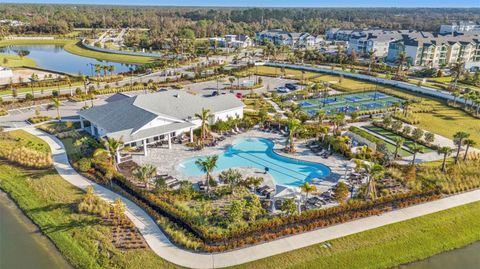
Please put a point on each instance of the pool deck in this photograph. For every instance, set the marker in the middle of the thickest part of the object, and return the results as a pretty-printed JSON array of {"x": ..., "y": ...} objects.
[{"x": 166, "y": 160}]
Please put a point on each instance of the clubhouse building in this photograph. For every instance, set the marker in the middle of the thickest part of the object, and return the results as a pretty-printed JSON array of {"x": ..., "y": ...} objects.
[{"x": 150, "y": 118}]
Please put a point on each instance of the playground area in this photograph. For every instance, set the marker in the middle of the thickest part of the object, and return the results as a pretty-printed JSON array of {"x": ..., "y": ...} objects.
[{"x": 349, "y": 103}]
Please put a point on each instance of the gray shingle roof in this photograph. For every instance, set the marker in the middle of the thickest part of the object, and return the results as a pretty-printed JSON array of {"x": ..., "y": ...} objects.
[
  {"x": 118, "y": 116},
  {"x": 122, "y": 118},
  {"x": 182, "y": 105}
]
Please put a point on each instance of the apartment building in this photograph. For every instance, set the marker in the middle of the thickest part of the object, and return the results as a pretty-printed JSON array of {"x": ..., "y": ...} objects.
[
  {"x": 231, "y": 41},
  {"x": 459, "y": 27},
  {"x": 291, "y": 39},
  {"x": 435, "y": 50},
  {"x": 362, "y": 41}
]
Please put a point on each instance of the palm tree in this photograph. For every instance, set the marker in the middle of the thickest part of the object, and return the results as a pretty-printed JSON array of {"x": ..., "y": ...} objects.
[
  {"x": 111, "y": 147},
  {"x": 469, "y": 143},
  {"x": 375, "y": 171},
  {"x": 204, "y": 116},
  {"x": 398, "y": 144},
  {"x": 371, "y": 57},
  {"x": 307, "y": 189},
  {"x": 56, "y": 104},
  {"x": 455, "y": 95},
  {"x": 458, "y": 139},
  {"x": 293, "y": 126},
  {"x": 457, "y": 69},
  {"x": 231, "y": 79},
  {"x": 446, "y": 151},
  {"x": 402, "y": 58},
  {"x": 207, "y": 165},
  {"x": 145, "y": 173},
  {"x": 415, "y": 148}
]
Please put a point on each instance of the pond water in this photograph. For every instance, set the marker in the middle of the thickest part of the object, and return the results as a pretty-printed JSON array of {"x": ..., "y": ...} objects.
[
  {"x": 55, "y": 58},
  {"x": 21, "y": 244},
  {"x": 464, "y": 258}
]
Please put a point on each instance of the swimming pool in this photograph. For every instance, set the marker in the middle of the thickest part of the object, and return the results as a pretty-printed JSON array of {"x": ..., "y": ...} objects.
[{"x": 258, "y": 153}]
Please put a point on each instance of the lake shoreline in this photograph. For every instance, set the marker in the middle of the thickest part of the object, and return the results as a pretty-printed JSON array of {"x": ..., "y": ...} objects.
[
  {"x": 20, "y": 217},
  {"x": 72, "y": 46}
]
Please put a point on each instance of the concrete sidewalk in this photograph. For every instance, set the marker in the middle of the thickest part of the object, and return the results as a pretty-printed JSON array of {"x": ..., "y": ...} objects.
[{"x": 160, "y": 244}]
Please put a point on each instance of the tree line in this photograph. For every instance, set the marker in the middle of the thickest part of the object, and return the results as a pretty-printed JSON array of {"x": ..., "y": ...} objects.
[{"x": 206, "y": 22}]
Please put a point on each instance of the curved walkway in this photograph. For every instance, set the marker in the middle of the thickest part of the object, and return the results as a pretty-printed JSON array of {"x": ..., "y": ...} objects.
[{"x": 160, "y": 244}]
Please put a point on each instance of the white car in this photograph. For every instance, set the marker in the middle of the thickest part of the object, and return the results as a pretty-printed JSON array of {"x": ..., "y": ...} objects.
[{"x": 282, "y": 89}]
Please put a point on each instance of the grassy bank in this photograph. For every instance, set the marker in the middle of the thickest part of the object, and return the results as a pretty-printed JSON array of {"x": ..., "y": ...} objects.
[
  {"x": 73, "y": 46},
  {"x": 387, "y": 246},
  {"x": 11, "y": 60}
]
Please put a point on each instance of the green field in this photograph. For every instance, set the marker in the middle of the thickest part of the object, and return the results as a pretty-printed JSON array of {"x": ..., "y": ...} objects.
[
  {"x": 390, "y": 135},
  {"x": 387, "y": 246},
  {"x": 10, "y": 60},
  {"x": 30, "y": 141}
]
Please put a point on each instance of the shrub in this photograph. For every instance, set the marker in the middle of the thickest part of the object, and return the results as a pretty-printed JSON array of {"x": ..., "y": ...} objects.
[
  {"x": 38, "y": 119},
  {"x": 84, "y": 164}
]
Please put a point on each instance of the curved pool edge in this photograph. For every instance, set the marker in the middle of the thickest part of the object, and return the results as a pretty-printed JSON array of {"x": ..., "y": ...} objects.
[{"x": 271, "y": 148}]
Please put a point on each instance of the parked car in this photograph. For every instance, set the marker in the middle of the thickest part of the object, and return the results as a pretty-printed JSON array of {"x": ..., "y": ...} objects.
[
  {"x": 239, "y": 95},
  {"x": 292, "y": 86},
  {"x": 282, "y": 89}
]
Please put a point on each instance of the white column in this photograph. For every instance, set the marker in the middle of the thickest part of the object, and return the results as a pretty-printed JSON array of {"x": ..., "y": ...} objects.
[
  {"x": 91, "y": 129},
  {"x": 82, "y": 125},
  {"x": 119, "y": 158},
  {"x": 191, "y": 135},
  {"x": 169, "y": 141},
  {"x": 145, "y": 147}
]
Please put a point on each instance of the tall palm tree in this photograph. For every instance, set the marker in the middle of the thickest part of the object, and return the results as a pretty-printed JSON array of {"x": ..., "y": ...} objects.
[
  {"x": 446, "y": 151},
  {"x": 207, "y": 165},
  {"x": 375, "y": 172},
  {"x": 458, "y": 139},
  {"x": 415, "y": 148},
  {"x": 398, "y": 144},
  {"x": 401, "y": 60},
  {"x": 307, "y": 189},
  {"x": 56, "y": 103},
  {"x": 293, "y": 126},
  {"x": 455, "y": 95},
  {"x": 457, "y": 69},
  {"x": 204, "y": 116},
  {"x": 111, "y": 147},
  {"x": 145, "y": 173},
  {"x": 371, "y": 58},
  {"x": 469, "y": 143}
]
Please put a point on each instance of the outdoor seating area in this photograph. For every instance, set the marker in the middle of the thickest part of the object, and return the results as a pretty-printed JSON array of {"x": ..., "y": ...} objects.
[
  {"x": 265, "y": 191},
  {"x": 319, "y": 150}
]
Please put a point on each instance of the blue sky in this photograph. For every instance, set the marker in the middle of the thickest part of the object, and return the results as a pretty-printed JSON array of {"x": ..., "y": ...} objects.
[{"x": 272, "y": 3}]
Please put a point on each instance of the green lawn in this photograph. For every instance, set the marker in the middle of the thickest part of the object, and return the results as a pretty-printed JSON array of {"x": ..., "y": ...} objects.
[
  {"x": 12, "y": 60},
  {"x": 30, "y": 141},
  {"x": 390, "y": 135},
  {"x": 401, "y": 152},
  {"x": 388, "y": 246},
  {"x": 85, "y": 242}
]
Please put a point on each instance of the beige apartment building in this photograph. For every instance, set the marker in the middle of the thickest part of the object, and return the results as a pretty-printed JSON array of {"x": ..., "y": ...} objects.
[{"x": 434, "y": 50}]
